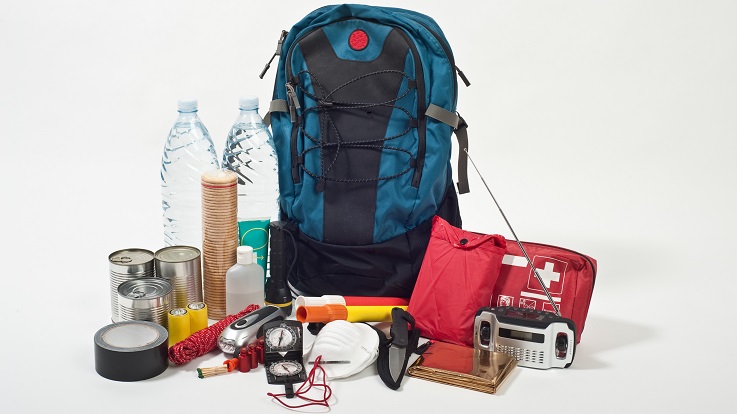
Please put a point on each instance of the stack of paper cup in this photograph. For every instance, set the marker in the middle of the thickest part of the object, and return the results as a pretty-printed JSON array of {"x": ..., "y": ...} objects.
[{"x": 219, "y": 236}]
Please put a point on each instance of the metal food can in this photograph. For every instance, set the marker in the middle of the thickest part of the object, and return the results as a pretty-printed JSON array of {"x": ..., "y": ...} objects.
[
  {"x": 182, "y": 267},
  {"x": 145, "y": 299},
  {"x": 125, "y": 265}
]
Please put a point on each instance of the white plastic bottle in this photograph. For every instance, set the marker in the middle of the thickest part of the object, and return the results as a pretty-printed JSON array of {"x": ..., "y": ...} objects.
[
  {"x": 244, "y": 282},
  {"x": 188, "y": 153},
  {"x": 249, "y": 152}
]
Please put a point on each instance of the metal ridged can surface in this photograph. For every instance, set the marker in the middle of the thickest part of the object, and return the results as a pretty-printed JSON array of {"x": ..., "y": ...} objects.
[
  {"x": 145, "y": 299},
  {"x": 125, "y": 265},
  {"x": 182, "y": 267}
]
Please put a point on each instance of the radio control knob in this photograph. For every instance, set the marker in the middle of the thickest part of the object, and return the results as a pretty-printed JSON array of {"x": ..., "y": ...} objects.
[{"x": 561, "y": 345}]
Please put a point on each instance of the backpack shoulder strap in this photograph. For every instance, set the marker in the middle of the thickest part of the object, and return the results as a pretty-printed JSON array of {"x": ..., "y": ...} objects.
[{"x": 277, "y": 105}]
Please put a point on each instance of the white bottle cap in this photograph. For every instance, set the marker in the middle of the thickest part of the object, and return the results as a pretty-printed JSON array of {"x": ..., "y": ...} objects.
[
  {"x": 248, "y": 102},
  {"x": 244, "y": 255},
  {"x": 187, "y": 105}
]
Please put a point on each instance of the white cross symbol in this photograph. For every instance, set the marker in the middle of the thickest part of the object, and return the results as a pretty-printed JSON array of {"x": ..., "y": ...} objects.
[{"x": 547, "y": 274}]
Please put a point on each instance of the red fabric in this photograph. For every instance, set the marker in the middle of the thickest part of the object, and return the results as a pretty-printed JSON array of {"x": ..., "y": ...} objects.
[
  {"x": 457, "y": 277},
  {"x": 374, "y": 301},
  {"x": 358, "y": 40},
  {"x": 568, "y": 275}
]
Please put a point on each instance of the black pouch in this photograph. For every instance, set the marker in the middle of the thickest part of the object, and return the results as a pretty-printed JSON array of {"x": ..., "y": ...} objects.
[{"x": 402, "y": 336}]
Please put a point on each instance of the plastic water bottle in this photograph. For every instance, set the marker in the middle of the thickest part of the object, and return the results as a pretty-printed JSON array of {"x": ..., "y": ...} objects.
[
  {"x": 244, "y": 282},
  {"x": 188, "y": 153},
  {"x": 249, "y": 152}
]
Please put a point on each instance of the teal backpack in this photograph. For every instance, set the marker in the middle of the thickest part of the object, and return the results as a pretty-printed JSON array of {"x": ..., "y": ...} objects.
[{"x": 362, "y": 115}]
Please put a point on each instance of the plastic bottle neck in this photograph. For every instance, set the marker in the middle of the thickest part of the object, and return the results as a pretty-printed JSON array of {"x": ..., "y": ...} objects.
[
  {"x": 187, "y": 116},
  {"x": 249, "y": 116}
]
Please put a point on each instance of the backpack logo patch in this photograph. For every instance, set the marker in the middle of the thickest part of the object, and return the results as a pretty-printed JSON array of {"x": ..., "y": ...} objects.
[{"x": 358, "y": 40}]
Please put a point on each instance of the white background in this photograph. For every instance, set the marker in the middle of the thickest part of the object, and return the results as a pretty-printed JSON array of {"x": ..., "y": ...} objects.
[{"x": 608, "y": 127}]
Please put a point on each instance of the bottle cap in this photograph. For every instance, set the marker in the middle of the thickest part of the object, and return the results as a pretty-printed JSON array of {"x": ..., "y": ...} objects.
[
  {"x": 248, "y": 102},
  {"x": 244, "y": 255},
  {"x": 187, "y": 105}
]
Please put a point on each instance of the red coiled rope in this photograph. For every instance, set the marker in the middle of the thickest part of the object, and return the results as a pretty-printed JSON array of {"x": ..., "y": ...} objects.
[{"x": 204, "y": 340}]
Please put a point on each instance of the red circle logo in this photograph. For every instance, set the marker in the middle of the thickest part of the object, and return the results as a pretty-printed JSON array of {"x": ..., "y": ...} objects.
[{"x": 358, "y": 40}]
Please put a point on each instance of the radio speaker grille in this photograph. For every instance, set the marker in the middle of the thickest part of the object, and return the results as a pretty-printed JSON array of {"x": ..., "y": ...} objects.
[{"x": 521, "y": 354}]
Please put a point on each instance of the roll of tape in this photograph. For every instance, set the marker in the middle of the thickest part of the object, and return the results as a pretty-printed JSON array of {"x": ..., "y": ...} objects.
[
  {"x": 197, "y": 316},
  {"x": 178, "y": 325},
  {"x": 131, "y": 350}
]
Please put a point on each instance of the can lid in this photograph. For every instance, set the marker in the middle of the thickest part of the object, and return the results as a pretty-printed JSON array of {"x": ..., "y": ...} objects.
[
  {"x": 144, "y": 288},
  {"x": 131, "y": 257},
  {"x": 178, "y": 312},
  {"x": 131, "y": 261},
  {"x": 177, "y": 254}
]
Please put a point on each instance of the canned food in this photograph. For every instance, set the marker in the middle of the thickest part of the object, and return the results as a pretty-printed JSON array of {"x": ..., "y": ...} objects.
[
  {"x": 182, "y": 267},
  {"x": 145, "y": 299},
  {"x": 125, "y": 265}
]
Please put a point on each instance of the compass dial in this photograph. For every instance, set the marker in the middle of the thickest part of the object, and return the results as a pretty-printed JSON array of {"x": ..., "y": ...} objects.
[
  {"x": 285, "y": 368},
  {"x": 280, "y": 338}
]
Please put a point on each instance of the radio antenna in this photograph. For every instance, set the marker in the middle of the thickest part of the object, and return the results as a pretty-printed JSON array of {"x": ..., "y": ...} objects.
[{"x": 537, "y": 275}]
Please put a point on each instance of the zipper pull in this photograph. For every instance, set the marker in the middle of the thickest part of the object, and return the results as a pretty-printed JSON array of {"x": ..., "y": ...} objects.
[
  {"x": 278, "y": 52},
  {"x": 463, "y": 77},
  {"x": 292, "y": 101}
]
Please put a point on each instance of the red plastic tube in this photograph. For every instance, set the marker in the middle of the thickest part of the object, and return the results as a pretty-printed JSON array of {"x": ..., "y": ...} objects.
[{"x": 375, "y": 301}]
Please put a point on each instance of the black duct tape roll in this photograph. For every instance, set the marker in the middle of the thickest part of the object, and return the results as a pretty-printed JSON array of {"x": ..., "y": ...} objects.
[{"x": 131, "y": 350}]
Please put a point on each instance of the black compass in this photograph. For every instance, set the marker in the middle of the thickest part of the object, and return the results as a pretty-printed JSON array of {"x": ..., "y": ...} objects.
[{"x": 283, "y": 354}]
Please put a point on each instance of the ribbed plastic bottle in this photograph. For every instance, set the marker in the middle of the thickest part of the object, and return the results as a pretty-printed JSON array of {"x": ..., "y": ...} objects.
[
  {"x": 249, "y": 152},
  {"x": 188, "y": 153},
  {"x": 244, "y": 282}
]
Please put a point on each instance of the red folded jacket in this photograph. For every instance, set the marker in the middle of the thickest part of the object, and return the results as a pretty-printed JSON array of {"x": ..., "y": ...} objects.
[{"x": 457, "y": 277}]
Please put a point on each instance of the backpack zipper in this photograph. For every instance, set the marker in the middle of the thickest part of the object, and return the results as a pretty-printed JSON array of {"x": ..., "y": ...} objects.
[
  {"x": 279, "y": 44},
  {"x": 451, "y": 59}
]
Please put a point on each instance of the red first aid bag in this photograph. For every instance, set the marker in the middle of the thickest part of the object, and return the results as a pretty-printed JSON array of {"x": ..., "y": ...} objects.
[
  {"x": 457, "y": 277},
  {"x": 463, "y": 271},
  {"x": 568, "y": 275}
]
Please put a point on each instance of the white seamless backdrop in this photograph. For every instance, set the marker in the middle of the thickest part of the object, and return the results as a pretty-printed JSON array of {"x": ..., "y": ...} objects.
[{"x": 608, "y": 127}]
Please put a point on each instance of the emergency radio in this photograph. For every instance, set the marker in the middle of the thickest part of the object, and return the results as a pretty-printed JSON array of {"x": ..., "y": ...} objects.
[{"x": 536, "y": 339}]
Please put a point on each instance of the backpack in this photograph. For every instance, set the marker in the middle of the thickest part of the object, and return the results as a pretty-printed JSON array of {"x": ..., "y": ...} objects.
[{"x": 362, "y": 116}]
